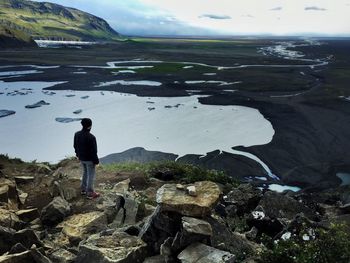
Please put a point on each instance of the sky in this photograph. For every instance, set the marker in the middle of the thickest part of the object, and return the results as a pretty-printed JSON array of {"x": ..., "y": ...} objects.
[{"x": 221, "y": 17}]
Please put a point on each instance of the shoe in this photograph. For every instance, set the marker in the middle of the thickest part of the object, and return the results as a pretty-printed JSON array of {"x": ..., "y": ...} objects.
[
  {"x": 82, "y": 192},
  {"x": 92, "y": 195}
]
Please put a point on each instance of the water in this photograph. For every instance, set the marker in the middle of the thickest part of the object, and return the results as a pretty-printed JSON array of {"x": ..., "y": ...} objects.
[
  {"x": 345, "y": 177},
  {"x": 122, "y": 121}
]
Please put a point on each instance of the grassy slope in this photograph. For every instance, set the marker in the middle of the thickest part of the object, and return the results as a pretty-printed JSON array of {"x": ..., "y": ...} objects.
[{"x": 46, "y": 20}]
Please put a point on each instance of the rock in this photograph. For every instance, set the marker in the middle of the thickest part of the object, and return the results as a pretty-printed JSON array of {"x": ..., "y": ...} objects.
[
  {"x": 118, "y": 247},
  {"x": 171, "y": 199},
  {"x": 62, "y": 256},
  {"x": 28, "y": 215},
  {"x": 277, "y": 205},
  {"x": 24, "y": 179},
  {"x": 6, "y": 237},
  {"x": 22, "y": 197},
  {"x": 5, "y": 113},
  {"x": 10, "y": 219},
  {"x": 80, "y": 226},
  {"x": 37, "y": 105},
  {"x": 127, "y": 209},
  {"x": 196, "y": 226},
  {"x": 252, "y": 234},
  {"x": 265, "y": 224},
  {"x": 159, "y": 227},
  {"x": 180, "y": 187},
  {"x": 122, "y": 187},
  {"x": 55, "y": 211},
  {"x": 68, "y": 193},
  {"x": 9, "y": 193},
  {"x": 66, "y": 119},
  {"x": 24, "y": 257},
  {"x": 30, "y": 256},
  {"x": 345, "y": 209},
  {"x": 191, "y": 190},
  {"x": 244, "y": 198},
  {"x": 4, "y": 189},
  {"x": 155, "y": 259},
  {"x": 223, "y": 238},
  {"x": 200, "y": 253},
  {"x": 18, "y": 248},
  {"x": 193, "y": 230},
  {"x": 27, "y": 238}
]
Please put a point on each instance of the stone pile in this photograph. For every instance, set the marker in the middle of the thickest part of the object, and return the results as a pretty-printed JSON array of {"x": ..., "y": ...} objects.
[{"x": 194, "y": 223}]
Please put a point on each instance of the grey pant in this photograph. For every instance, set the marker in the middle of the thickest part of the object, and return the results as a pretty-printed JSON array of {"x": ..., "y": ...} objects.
[{"x": 87, "y": 182}]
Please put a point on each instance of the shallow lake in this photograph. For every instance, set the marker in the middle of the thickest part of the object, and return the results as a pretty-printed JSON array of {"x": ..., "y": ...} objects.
[{"x": 179, "y": 125}]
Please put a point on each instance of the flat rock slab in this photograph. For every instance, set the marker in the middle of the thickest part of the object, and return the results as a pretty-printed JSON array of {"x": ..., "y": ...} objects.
[
  {"x": 200, "y": 253},
  {"x": 5, "y": 113},
  {"x": 117, "y": 248},
  {"x": 28, "y": 215},
  {"x": 79, "y": 226},
  {"x": 170, "y": 198},
  {"x": 24, "y": 179}
]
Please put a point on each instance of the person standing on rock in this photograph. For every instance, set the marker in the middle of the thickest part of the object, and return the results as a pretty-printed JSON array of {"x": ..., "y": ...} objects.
[{"x": 86, "y": 150}]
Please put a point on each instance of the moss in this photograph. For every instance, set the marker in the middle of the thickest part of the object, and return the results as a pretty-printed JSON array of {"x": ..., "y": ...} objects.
[{"x": 181, "y": 172}]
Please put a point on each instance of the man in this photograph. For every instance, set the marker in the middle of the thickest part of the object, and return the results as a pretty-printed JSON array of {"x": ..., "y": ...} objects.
[{"x": 86, "y": 150}]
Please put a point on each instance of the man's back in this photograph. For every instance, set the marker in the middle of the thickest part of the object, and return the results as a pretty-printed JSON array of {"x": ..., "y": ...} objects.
[{"x": 85, "y": 146}]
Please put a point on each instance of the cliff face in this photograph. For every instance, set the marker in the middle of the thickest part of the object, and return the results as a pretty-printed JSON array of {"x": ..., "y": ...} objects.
[
  {"x": 15, "y": 38},
  {"x": 41, "y": 20}
]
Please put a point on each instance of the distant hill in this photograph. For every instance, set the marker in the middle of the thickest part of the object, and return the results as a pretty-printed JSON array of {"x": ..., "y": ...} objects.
[{"x": 42, "y": 20}]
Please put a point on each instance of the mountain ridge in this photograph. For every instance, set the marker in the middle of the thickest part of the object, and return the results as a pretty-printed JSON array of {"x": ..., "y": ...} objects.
[{"x": 49, "y": 21}]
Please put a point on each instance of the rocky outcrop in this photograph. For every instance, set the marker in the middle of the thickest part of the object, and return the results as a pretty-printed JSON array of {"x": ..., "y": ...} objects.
[{"x": 172, "y": 199}]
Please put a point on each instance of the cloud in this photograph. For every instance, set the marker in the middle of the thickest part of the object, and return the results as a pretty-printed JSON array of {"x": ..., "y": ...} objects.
[
  {"x": 212, "y": 16},
  {"x": 278, "y": 8},
  {"x": 314, "y": 8}
]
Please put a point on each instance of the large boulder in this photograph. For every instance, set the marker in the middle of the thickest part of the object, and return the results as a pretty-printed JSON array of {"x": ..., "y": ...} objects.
[
  {"x": 245, "y": 198},
  {"x": 170, "y": 198},
  {"x": 193, "y": 230},
  {"x": 80, "y": 226},
  {"x": 159, "y": 227},
  {"x": 223, "y": 238},
  {"x": 55, "y": 211},
  {"x": 117, "y": 248},
  {"x": 200, "y": 253},
  {"x": 276, "y": 205}
]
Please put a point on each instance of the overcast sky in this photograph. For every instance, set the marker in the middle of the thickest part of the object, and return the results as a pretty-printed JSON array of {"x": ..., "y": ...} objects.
[{"x": 221, "y": 17}]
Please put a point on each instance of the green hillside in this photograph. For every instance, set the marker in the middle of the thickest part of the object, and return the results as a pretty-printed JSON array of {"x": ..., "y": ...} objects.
[{"x": 42, "y": 20}]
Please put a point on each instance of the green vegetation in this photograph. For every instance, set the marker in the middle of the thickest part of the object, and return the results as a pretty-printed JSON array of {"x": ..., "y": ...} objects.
[
  {"x": 326, "y": 246},
  {"x": 182, "y": 172},
  {"x": 55, "y": 22}
]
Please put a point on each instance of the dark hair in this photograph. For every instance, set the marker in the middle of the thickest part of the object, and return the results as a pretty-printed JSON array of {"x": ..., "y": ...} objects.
[{"x": 86, "y": 123}]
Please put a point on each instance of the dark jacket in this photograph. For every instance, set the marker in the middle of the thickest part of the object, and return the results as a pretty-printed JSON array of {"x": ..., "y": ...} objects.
[{"x": 85, "y": 146}]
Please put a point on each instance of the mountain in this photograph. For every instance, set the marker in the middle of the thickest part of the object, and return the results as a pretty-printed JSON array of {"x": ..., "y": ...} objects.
[{"x": 42, "y": 20}]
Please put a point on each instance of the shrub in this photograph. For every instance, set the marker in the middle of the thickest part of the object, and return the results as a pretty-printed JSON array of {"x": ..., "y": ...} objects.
[{"x": 327, "y": 246}]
